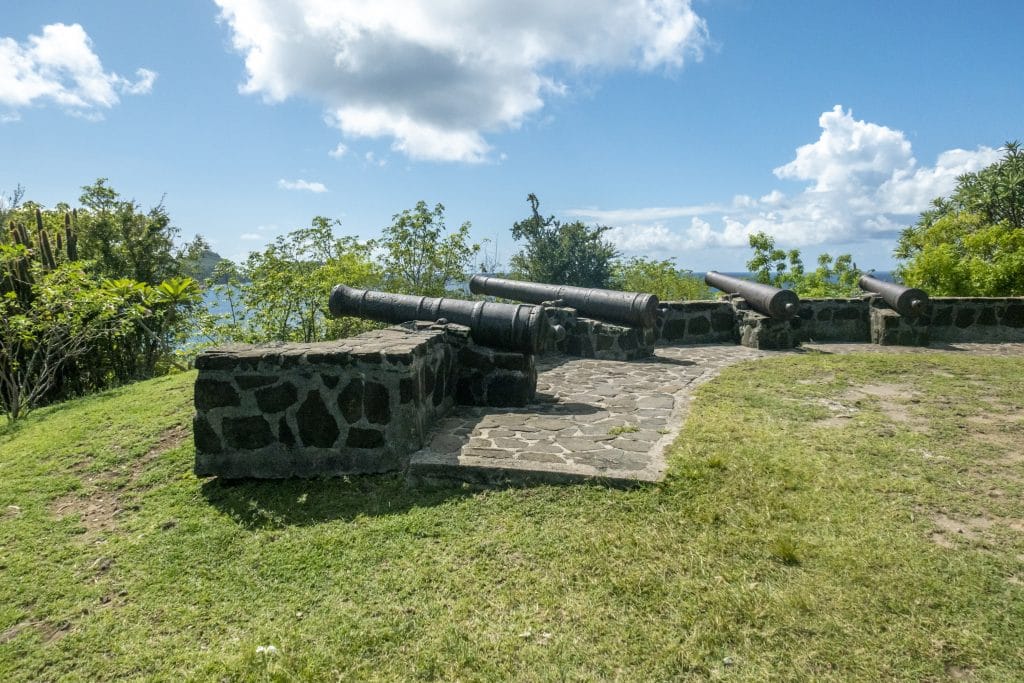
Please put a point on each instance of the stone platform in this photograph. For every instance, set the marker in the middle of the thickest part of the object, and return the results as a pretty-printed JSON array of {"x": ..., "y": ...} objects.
[{"x": 611, "y": 420}]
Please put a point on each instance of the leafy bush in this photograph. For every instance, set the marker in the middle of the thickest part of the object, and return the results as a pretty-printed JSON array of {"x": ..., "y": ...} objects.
[
  {"x": 419, "y": 258},
  {"x": 561, "y": 253},
  {"x": 90, "y": 298},
  {"x": 832, "y": 278},
  {"x": 660, "y": 278},
  {"x": 971, "y": 244},
  {"x": 282, "y": 292}
]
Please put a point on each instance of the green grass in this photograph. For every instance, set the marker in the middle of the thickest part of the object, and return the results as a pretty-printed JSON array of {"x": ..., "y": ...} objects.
[{"x": 809, "y": 529}]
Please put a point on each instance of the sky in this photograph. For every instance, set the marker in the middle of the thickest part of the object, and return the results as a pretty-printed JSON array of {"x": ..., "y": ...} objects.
[{"x": 683, "y": 125}]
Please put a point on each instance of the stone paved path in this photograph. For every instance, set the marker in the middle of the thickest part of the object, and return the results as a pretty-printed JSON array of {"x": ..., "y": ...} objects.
[
  {"x": 591, "y": 418},
  {"x": 607, "y": 419}
]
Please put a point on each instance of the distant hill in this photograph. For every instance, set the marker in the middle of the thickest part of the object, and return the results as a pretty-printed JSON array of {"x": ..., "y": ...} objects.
[{"x": 203, "y": 269}]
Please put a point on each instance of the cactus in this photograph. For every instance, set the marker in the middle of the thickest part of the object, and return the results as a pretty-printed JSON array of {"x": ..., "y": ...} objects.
[
  {"x": 45, "y": 252},
  {"x": 72, "y": 239}
]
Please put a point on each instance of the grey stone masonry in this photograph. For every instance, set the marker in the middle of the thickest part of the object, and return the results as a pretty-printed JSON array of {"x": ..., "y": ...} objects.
[
  {"x": 761, "y": 332},
  {"x": 587, "y": 338},
  {"x": 825, "y": 320},
  {"x": 977, "y": 319},
  {"x": 697, "y": 322},
  {"x": 352, "y": 406},
  {"x": 889, "y": 328}
]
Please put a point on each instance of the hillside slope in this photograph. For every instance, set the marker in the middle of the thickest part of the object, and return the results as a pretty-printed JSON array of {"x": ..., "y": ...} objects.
[{"x": 824, "y": 518}]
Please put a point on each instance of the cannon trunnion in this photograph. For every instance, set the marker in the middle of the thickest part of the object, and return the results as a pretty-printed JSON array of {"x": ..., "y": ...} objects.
[
  {"x": 514, "y": 327},
  {"x": 765, "y": 299},
  {"x": 625, "y": 308}
]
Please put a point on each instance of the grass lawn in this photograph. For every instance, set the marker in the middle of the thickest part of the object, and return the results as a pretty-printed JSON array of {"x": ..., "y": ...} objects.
[{"x": 825, "y": 517}]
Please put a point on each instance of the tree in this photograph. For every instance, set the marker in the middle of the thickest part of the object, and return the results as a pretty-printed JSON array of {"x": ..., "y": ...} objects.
[
  {"x": 282, "y": 292},
  {"x": 122, "y": 241},
  {"x": 562, "y": 254},
  {"x": 972, "y": 243},
  {"x": 113, "y": 243},
  {"x": 785, "y": 269},
  {"x": 68, "y": 314},
  {"x": 419, "y": 258},
  {"x": 660, "y": 278}
]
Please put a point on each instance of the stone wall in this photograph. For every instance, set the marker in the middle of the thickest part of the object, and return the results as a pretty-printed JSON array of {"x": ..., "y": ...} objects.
[
  {"x": 357, "y": 405},
  {"x": 697, "y": 322},
  {"x": 759, "y": 331},
  {"x": 587, "y": 338},
  {"x": 833, "y": 320},
  {"x": 889, "y": 328},
  {"x": 948, "y": 319},
  {"x": 976, "y": 319},
  {"x": 360, "y": 405}
]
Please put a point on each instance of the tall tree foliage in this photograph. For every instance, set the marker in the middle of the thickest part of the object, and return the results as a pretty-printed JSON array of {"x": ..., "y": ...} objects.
[
  {"x": 419, "y": 255},
  {"x": 123, "y": 241},
  {"x": 971, "y": 243},
  {"x": 282, "y": 292},
  {"x": 561, "y": 253},
  {"x": 785, "y": 269},
  {"x": 76, "y": 316}
]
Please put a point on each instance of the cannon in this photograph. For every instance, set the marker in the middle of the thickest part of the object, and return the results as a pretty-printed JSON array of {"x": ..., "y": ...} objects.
[
  {"x": 770, "y": 301},
  {"x": 907, "y": 301},
  {"x": 625, "y": 308},
  {"x": 513, "y": 327}
]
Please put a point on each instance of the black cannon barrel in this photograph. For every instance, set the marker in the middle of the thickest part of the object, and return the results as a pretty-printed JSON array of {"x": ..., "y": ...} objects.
[
  {"x": 907, "y": 301},
  {"x": 771, "y": 301},
  {"x": 514, "y": 327},
  {"x": 626, "y": 308}
]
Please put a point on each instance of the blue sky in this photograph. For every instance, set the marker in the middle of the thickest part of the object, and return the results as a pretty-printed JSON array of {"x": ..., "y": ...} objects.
[{"x": 683, "y": 125}]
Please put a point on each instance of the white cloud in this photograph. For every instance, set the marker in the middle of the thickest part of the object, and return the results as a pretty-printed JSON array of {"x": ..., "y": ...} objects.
[
  {"x": 59, "y": 66},
  {"x": 654, "y": 213},
  {"x": 863, "y": 183},
  {"x": 301, "y": 184},
  {"x": 435, "y": 77},
  {"x": 250, "y": 236},
  {"x": 644, "y": 239},
  {"x": 338, "y": 152}
]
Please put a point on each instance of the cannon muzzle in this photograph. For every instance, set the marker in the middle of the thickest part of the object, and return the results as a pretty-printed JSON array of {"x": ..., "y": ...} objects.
[
  {"x": 770, "y": 301},
  {"x": 625, "y": 308},
  {"x": 513, "y": 327},
  {"x": 907, "y": 301}
]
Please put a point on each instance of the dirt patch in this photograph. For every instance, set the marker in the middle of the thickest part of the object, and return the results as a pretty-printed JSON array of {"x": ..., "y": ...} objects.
[
  {"x": 892, "y": 399},
  {"x": 959, "y": 673},
  {"x": 822, "y": 379},
  {"x": 98, "y": 507},
  {"x": 890, "y": 391},
  {"x": 976, "y": 529},
  {"x": 170, "y": 439},
  {"x": 950, "y": 530},
  {"x": 49, "y": 632},
  {"x": 835, "y": 422}
]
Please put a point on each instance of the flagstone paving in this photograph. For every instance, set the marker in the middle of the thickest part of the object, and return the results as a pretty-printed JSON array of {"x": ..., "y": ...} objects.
[{"x": 609, "y": 420}]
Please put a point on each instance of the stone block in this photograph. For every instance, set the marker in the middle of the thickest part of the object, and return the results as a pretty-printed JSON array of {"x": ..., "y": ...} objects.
[
  {"x": 761, "y": 332},
  {"x": 889, "y": 328},
  {"x": 587, "y": 338},
  {"x": 696, "y": 322},
  {"x": 492, "y": 377},
  {"x": 347, "y": 407}
]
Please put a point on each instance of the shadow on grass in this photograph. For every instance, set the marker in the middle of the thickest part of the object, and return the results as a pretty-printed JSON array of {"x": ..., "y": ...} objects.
[{"x": 258, "y": 503}]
